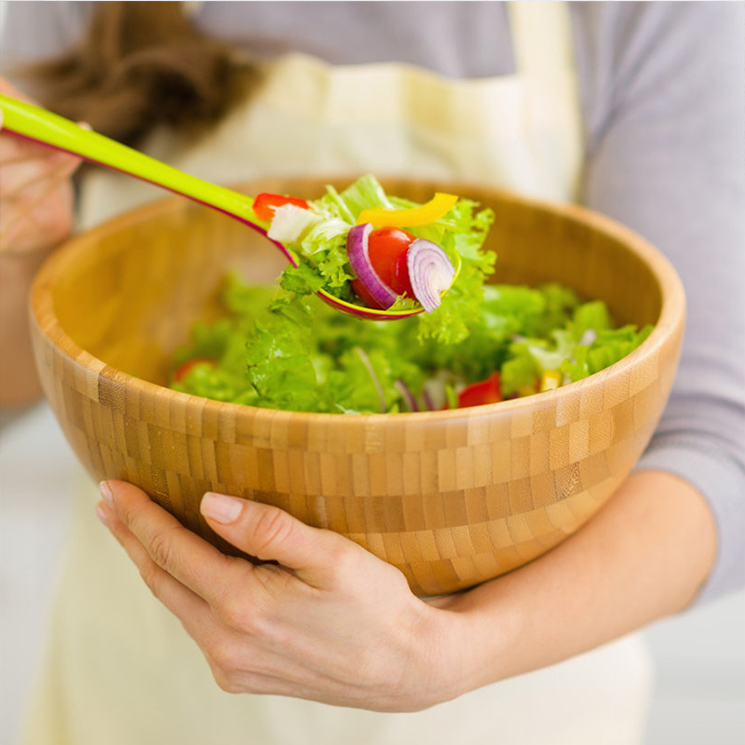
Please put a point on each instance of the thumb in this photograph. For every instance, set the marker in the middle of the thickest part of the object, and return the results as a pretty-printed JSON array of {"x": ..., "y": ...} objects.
[{"x": 271, "y": 534}]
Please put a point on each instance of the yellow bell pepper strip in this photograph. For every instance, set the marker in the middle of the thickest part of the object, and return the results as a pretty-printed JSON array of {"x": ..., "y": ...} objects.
[
  {"x": 550, "y": 381},
  {"x": 436, "y": 208}
]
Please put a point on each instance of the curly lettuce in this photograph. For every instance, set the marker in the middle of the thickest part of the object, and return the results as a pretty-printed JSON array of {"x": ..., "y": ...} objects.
[{"x": 284, "y": 348}]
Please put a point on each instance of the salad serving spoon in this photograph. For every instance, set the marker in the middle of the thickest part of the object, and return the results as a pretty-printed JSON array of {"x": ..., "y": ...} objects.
[{"x": 47, "y": 128}]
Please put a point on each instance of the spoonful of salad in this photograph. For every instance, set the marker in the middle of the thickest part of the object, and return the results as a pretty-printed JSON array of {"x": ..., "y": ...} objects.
[{"x": 397, "y": 274}]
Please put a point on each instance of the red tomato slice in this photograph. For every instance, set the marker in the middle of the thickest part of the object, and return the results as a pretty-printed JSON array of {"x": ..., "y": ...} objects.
[
  {"x": 387, "y": 249},
  {"x": 487, "y": 391},
  {"x": 178, "y": 376},
  {"x": 364, "y": 294},
  {"x": 266, "y": 204}
]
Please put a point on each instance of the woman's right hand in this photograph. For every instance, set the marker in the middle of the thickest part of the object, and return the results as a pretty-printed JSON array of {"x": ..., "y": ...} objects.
[
  {"x": 36, "y": 191},
  {"x": 36, "y": 213}
]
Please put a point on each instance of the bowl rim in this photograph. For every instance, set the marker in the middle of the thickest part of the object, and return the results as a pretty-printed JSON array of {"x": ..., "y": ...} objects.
[{"x": 671, "y": 318}]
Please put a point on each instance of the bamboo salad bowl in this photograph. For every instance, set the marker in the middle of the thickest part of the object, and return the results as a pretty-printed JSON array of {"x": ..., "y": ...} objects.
[{"x": 451, "y": 498}]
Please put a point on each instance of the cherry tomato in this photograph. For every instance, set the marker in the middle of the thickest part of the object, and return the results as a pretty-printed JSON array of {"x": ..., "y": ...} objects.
[
  {"x": 487, "y": 391},
  {"x": 178, "y": 376},
  {"x": 266, "y": 204},
  {"x": 387, "y": 249},
  {"x": 364, "y": 294}
]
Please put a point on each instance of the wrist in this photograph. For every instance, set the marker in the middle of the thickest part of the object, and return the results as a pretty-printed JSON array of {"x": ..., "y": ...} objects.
[
  {"x": 437, "y": 674},
  {"x": 19, "y": 384},
  {"x": 641, "y": 558},
  {"x": 19, "y": 265},
  {"x": 481, "y": 627},
  {"x": 463, "y": 644}
]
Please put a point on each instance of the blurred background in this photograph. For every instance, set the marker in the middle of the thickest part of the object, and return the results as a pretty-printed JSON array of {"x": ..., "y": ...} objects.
[{"x": 700, "y": 656}]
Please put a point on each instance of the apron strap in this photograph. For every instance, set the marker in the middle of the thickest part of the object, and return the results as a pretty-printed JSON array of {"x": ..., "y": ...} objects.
[
  {"x": 544, "y": 56},
  {"x": 542, "y": 37}
]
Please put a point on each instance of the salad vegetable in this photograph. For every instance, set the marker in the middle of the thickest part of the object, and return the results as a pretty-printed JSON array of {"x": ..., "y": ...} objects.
[
  {"x": 387, "y": 248},
  {"x": 265, "y": 205},
  {"x": 370, "y": 282},
  {"x": 279, "y": 351},
  {"x": 430, "y": 272},
  {"x": 284, "y": 348},
  {"x": 433, "y": 210},
  {"x": 487, "y": 391},
  {"x": 182, "y": 370},
  {"x": 353, "y": 246}
]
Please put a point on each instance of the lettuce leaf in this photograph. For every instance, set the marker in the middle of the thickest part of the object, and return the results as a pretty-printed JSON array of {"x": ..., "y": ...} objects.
[
  {"x": 284, "y": 348},
  {"x": 461, "y": 232},
  {"x": 610, "y": 346}
]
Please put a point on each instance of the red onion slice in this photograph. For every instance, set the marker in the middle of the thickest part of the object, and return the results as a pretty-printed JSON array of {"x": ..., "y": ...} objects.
[
  {"x": 430, "y": 271},
  {"x": 408, "y": 396},
  {"x": 359, "y": 258},
  {"x": 429, "y": 402}
]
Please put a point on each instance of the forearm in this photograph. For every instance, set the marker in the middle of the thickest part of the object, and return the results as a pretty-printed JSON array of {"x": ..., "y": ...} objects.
[
  {"x": 644, "y": 556},
  {"x": 19, "y": 383},
  {"x": 669, "y": 166}
]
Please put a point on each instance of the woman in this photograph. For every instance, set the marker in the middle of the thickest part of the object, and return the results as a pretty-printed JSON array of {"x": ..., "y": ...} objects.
[{"x": 602, "y": 103}]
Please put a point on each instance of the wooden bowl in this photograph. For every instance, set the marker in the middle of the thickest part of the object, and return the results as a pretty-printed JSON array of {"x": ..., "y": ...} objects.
[{"x": 451, "y": 498}]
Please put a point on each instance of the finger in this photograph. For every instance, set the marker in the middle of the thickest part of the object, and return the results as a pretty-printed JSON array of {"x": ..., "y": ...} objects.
[
  {"x": 175, "y": 549},
  {"x": 180, "y": 600},
  {"x": 18, "y": 149},
  {"x": 25, "y": 181},
  {"x": 26, "y": 169},
  {"x": 40, "y": 217},
  {"x": 271, "y": 534},
  {"x": 15, "y": 151}
]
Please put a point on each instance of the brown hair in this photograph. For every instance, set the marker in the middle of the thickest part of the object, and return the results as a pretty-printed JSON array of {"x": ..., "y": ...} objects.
[{"x": 141, "y": 64}]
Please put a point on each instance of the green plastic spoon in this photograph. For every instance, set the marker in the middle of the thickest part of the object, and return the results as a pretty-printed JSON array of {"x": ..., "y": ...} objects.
[{"x": 42, "y": 126}]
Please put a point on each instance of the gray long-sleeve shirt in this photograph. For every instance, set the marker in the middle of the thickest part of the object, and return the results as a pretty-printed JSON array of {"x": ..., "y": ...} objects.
[{"x": 662, "y": 89}]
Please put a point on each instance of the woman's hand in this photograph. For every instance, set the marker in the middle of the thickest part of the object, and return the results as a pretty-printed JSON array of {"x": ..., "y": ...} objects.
[
  {"x": 36, "y": 213},
  {"x": 330, "y": 622},
  {"x": 334, "y": 624},
  {"x": 36, "y": 192}
]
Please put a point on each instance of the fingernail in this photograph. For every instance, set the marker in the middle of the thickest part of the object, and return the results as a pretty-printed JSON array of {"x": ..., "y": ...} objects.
[
  {"x": 220, "y": 508},
  {"x": 102, "y": 515},
  {"x": 106, "y": 494}
]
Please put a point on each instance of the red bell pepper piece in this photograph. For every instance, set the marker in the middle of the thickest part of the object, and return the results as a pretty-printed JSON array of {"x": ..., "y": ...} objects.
[
  {"x": 178, "y": 376},
  {"x": 487, "y": 391},
  {"x": 265, "y": 204}
]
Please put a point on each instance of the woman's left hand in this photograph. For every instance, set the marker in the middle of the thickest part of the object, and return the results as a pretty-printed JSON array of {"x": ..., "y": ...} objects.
[{"x": 330, "y": 622}]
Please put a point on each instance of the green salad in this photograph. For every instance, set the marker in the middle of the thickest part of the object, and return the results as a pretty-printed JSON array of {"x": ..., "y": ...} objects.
[{"x": 284, "y": 348}]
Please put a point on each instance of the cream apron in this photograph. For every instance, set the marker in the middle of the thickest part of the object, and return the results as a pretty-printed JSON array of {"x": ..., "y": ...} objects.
[{"x": 120, "y": 668}]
